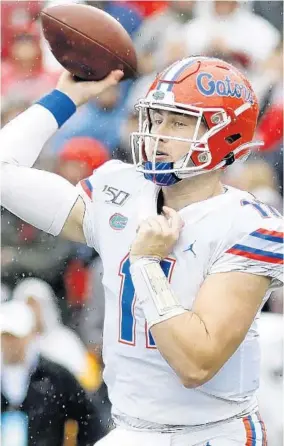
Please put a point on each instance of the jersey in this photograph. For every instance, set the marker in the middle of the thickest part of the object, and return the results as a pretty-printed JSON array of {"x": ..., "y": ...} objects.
[{"x": 228, "y": 232}]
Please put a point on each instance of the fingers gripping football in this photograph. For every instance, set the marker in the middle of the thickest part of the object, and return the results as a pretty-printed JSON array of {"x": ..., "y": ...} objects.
[
  {"x": 81, "y": 92},
  {"x": 156, "y": 236}
]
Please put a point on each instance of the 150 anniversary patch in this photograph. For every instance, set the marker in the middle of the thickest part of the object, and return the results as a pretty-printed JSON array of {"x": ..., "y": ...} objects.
[{"x": 116, "y": 196}]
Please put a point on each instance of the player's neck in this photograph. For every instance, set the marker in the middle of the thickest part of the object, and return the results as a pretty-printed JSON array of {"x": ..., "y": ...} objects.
[{"x": 192, "y": 190}]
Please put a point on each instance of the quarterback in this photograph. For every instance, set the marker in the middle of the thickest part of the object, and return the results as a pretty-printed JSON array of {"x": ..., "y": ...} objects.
[{"x": 188, "y": 262}]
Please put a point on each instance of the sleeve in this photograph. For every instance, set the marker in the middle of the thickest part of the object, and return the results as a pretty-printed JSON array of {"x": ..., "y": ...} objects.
[
  {"x": 90, "y": 190},
  {"x": 86, "y": 190},
  {"x": 257, "y": 252},
  {"x": 86, "y": 186}
]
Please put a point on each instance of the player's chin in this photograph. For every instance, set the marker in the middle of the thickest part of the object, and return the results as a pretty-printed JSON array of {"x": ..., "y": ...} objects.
[{"x": 161, "y": 159}]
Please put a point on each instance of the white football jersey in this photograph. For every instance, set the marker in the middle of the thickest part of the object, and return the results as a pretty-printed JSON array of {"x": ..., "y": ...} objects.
[{"x": 228, "y": 232}]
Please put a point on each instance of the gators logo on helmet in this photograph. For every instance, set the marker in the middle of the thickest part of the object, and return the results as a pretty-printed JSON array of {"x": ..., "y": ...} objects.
[{"x": 214, "y": 93}]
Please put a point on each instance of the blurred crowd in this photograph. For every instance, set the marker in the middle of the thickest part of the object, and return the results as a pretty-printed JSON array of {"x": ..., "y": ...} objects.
[{"x": 52, "y": 296}]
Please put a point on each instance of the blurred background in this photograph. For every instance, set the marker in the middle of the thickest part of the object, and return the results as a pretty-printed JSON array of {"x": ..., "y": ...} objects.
[{"x": 52, "y": 287}]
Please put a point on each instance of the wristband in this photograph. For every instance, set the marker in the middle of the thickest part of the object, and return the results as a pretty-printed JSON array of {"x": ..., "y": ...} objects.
[
  {"x": 59, "y": 104},
  {"x": 153, "y": 291}
]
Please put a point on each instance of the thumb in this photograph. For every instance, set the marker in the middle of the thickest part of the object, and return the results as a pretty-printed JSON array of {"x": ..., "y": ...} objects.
[
  {"x": 111, "y": 79},
  {"x": 176, "y": 221},
  {"x": 117, "y": 75},
  {"x": 96, "y": 87}
]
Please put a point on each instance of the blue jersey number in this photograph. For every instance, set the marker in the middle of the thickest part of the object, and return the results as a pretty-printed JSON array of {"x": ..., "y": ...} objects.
[
  {"x": 265, "y": 210},
  {"x": 127, "y": 299}
]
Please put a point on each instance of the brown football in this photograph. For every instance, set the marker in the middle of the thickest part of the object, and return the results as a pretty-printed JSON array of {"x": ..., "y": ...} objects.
[{"x": 88, "y": 42}]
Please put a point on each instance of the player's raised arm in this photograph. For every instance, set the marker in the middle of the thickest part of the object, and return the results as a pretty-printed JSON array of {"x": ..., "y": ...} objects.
[{"x": 43, "y": 199}]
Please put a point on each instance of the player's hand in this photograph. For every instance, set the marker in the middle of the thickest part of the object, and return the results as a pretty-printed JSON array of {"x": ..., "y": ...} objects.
[
  {"x": 81, "y": 92},
  {"x": 156, "y": 236}
]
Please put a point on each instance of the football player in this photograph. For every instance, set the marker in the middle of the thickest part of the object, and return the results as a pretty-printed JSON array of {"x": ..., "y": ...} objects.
[{"x": 188, "y": 262}]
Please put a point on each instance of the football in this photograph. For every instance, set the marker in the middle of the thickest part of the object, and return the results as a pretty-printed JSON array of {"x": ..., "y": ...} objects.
[{"x": 88, "y": 42}]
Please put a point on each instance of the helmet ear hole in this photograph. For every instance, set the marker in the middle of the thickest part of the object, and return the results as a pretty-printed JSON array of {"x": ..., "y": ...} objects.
[
  {"x": 229, "y": 159},
  {"x": 233, "y": 138}
]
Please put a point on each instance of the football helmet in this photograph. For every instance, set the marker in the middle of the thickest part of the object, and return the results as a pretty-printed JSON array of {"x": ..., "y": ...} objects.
[{"x": 219, "y": 96}]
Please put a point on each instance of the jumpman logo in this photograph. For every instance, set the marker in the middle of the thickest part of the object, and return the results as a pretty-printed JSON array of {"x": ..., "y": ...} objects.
[{"x": 190, "y": 248}]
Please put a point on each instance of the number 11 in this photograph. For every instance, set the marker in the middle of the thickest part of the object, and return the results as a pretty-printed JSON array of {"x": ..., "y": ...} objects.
[{"x": 127, "y": 300}]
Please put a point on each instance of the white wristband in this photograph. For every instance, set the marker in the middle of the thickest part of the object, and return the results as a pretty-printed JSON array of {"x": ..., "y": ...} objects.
[{"x": 153, "y": 291}]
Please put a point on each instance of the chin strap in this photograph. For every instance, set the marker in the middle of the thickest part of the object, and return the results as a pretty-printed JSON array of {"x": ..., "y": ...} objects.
[
  {"x": 161, "y": 179},
  {"x": 168, "y": 179}
]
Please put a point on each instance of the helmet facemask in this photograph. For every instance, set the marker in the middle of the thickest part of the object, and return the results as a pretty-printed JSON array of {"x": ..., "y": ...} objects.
[{"x": 185, "y": 166}]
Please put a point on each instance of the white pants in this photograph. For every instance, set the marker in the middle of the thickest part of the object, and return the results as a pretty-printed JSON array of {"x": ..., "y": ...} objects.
[{"x": 247, "y": 431}]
